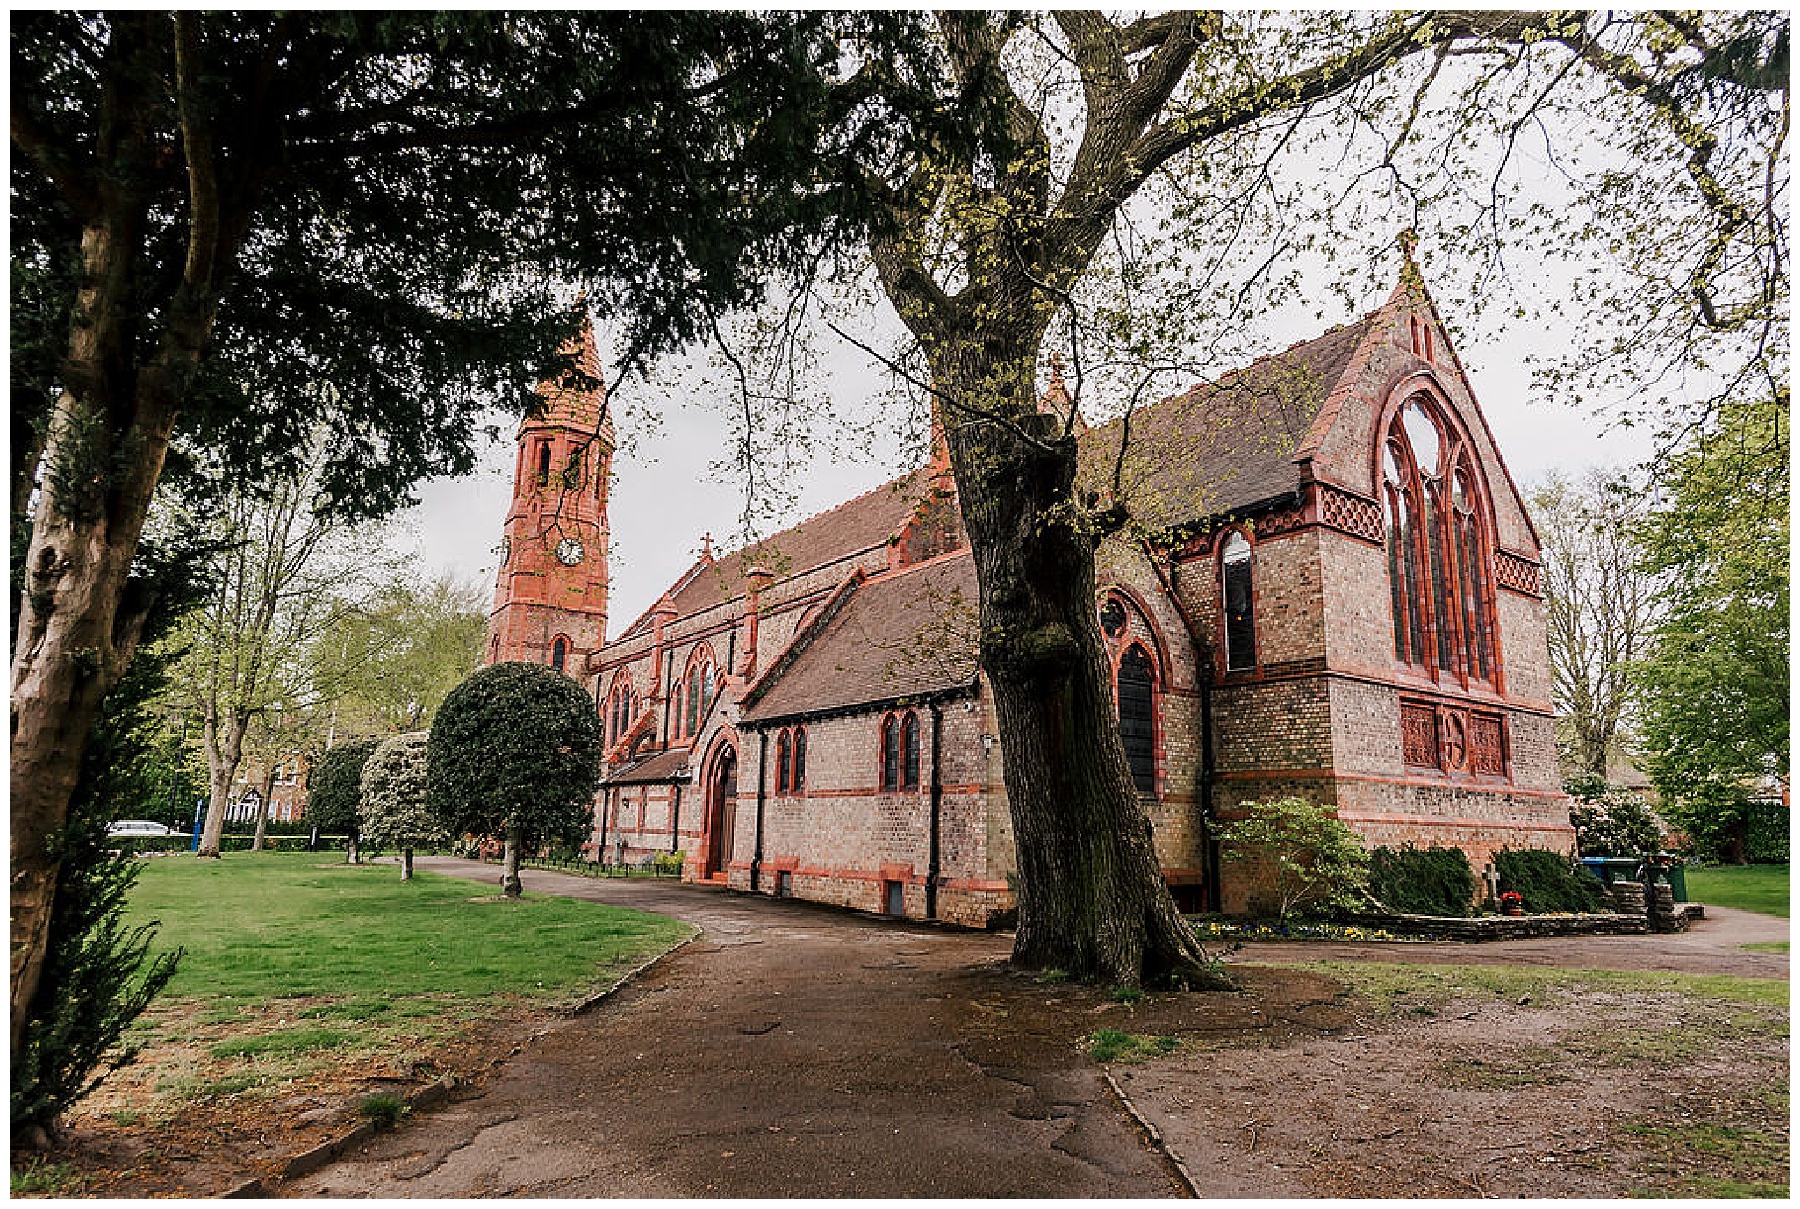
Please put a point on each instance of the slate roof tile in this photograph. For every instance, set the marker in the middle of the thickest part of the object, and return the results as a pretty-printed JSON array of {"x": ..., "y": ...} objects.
[{"x": 902, "y": 633}]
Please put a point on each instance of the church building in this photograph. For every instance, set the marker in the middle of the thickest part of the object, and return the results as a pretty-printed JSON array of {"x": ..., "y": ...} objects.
[{"x": 1345, "y": 606}]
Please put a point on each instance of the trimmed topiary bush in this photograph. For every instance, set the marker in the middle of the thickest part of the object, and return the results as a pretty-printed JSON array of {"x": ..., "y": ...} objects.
[
  {"x": 1547, "y": 881},
  {"x": 1423, "y": 881},
  {"x": 334, "y": 791},
  {"x": 515, "y": 753},
  {"x": 393, "y": 799}
]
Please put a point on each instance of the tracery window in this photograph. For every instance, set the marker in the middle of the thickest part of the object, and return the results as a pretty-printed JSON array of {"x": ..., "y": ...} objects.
[
  {"x": 1239, "y": 600},
  {"x": 900, "y": 752},
  {"x": 621, "y": 711},
  {"x": 1439, "y": 557},
  {"x": 697, "y": 690},
  {"x": 790, "y": 760},
  {"x": 1136, "y": 697}
]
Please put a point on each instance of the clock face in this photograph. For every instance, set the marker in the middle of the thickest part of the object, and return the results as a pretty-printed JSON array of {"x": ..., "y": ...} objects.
[{"x": 569, "y": 552}]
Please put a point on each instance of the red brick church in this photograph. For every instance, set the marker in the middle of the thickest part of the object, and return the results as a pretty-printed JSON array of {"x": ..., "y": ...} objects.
[{"x": 1346, "y": 607}]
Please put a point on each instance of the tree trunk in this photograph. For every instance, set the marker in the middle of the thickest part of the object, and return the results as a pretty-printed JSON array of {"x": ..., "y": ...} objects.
[
  {"x": 406, "y": 864},
  {"x": 224, "y": 739},
  {"x": 510, "y": 885},
  {"x": 79, "y": 625},
  {"x": 1092, "y": 900},
  {"x": 353, "y": 856},
  {"x": 268, "y": 804}
]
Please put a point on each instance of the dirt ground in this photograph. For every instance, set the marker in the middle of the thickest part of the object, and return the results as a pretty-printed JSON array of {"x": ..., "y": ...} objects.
[{"x": 792, "y": 1050}]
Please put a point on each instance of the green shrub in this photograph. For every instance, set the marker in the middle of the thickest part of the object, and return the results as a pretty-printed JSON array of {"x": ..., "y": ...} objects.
[
  {"x": 1423, "y": 881},
  {"x": 1767, "y": 826},
  {"x": 1548, "y": 881},
  {"x": 1306, "y": 860},
  {"x": 1612, "y": 822}
]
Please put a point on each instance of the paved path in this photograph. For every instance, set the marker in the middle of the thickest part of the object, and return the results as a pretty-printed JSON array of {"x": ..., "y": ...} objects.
[
  {"x": 789, "y": 1051},
  {"x": 793, "y": 1050}
]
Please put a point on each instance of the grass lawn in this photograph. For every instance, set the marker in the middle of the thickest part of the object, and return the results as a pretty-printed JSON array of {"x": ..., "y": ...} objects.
[
  {"x": 1762, "y": 888},
  {"x": 298, "y": 966}
]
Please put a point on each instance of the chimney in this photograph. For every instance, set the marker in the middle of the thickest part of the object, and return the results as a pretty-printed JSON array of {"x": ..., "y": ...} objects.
[{"x": 759, "y": 578}]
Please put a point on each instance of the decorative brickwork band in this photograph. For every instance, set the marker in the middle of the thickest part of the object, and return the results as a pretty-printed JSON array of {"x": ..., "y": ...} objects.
[
  {"x": 1347, "y": 513},
  {"x": 1517, "y": 572},
  {"x": 1452, "y": 739},
  {"x": 1276, "y": 523}
]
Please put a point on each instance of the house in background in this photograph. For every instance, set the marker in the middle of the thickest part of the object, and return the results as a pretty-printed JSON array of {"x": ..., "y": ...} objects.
[{"x": 1342, "y": 603}]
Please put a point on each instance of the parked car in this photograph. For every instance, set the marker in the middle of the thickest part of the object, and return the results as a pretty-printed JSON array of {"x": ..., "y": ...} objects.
[{"x": 122, "y": 828}]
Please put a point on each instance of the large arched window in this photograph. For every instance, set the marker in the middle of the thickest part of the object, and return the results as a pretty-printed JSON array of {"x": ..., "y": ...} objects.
[
  {"x": 1135, "y": 693},
  {"x": 1239, "y": 600},
  {"x": 1439, "y": 557},
  {"x": 798, "y": 782},
  {"x": 697, "y": 690},
  {"x": 621, "y": 710},
  {"x": 784, "y": 761}
]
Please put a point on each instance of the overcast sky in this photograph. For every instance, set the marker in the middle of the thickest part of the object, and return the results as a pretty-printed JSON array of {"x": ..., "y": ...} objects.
[{"x": 664, "y": 496}]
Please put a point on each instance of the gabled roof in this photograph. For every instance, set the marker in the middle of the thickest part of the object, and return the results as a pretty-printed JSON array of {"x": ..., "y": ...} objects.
[
  {"x": 851, "y": 528},
  {"x": 1226, "y": 446},
  {"x": 670, "y": 765},
  {"x": 901, "y": 634}
]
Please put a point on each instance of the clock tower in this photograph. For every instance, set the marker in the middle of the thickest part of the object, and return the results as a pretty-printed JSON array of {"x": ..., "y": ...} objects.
[{"x": 550, "y": 600}]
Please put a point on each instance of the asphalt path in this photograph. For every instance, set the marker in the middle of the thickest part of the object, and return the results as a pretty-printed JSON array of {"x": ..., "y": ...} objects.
[
  {"x": 790, "y": 1050},
  {"x": 794, "y": 1050}
]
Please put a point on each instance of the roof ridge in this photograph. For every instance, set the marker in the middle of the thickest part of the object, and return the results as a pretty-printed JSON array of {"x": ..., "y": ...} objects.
[{"x": 824, "y": 512}]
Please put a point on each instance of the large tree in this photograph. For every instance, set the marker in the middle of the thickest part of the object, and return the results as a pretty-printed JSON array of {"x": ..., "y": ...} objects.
[
  {"x": 1600, "y": 606},
  {"x": 216, "y": 214},
  {"x": 1716, "y": 681},
  {"x": 284, "y": 573},
  {"x": 989, "y": 246}
]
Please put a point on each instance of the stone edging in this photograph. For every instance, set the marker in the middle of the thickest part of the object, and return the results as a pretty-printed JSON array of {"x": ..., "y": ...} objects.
[
  {"x": 429, "y": 1096},
  {"x": 1154, "y": 1134},
  {"x": 1508, "y": 927}
]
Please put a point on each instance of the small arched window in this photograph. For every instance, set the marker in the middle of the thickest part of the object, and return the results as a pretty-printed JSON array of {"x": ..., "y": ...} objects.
[
  {"x": 799, "y": 778},
  {"x": 1239, "y": 599},
  {"x": 559, "y": 653},
  {"x": 1439, "y": 579},
  {"x": 909, "y": 751},
  {"x": 543, "y": 466},
  {"x": 890, "y": 754},
  {"x": 1136, "y": 696},
  {"x": 783, "y": 761}
]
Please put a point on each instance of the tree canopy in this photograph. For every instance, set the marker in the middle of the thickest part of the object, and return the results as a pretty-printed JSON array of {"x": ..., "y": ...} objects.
[
  {"x": 228, "y": 225},
  {"x": 515, "y": 753},
  {"x": 1717, "y": 678}
]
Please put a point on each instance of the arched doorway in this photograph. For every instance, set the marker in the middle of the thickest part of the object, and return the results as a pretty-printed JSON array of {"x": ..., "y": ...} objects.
[{"x": 721, "y": 813}]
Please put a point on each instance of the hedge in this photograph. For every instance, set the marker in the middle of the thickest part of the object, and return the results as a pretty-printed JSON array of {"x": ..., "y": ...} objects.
[
  {"x": 1423, "y": 881},
  {"x": 1547, "y": 881}
]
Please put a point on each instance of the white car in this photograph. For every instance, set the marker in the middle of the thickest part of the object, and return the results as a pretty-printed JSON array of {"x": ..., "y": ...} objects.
[{"x": 136, "y": 827}]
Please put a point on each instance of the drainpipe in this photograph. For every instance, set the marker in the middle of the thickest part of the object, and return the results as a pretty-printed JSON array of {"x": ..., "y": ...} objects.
[
  {"x": 933, "y": 857},
  {"x": 762, "y": 764},
  {"x": 605, "y": 802},
  {"x": 675, "y": 820}
]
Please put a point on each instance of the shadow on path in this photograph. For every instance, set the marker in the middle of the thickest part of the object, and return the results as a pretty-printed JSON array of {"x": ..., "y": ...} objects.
[{"x": 789, "y": 1050}]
